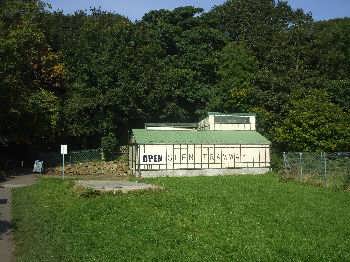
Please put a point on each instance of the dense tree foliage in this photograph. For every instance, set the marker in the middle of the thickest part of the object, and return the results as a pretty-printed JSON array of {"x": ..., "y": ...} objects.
[{"x": 83, "y": 78}]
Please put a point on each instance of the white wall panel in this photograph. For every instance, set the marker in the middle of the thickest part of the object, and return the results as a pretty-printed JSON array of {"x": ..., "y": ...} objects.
[{"x": 162, "y": 157}]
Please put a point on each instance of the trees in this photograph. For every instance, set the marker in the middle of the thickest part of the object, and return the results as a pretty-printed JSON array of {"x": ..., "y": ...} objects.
[
  {"x": 331, "y": 52},
  {"x": 97, "y": 62},
  {"x": 314, "y": 123},
  {"x": 235, "y": 90},
  {"x": 80, "y": 77},
  {"x": 184, "y": 61},
  {"x": 31, "y": 75}
]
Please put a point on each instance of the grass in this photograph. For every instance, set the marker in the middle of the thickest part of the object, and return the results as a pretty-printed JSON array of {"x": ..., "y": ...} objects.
[{"x": 239, "y": 218}]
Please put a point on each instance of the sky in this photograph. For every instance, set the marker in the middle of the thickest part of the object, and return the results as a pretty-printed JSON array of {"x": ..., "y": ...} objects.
[{"x": 135, "y": 9}]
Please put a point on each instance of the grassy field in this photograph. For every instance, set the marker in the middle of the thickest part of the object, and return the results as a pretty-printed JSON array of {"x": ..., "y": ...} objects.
[{"x": 242, "y": 218}]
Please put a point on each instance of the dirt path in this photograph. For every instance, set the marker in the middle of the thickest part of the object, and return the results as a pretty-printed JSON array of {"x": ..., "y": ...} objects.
[{"x": 6, "y": 238}]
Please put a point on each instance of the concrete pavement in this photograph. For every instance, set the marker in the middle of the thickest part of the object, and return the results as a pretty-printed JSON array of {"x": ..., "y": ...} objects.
[{"x": 6, "y": 237}]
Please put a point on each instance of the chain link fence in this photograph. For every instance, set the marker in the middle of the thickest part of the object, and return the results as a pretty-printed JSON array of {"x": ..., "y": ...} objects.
[
  {"x": 328, "y": 169},
  {"x": 52, "y": 159}
]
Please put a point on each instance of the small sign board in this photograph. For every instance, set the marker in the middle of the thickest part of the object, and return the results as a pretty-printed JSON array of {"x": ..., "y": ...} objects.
[
  {"x": 64, "y": 149},
  {"x": 38, "y": 166}
]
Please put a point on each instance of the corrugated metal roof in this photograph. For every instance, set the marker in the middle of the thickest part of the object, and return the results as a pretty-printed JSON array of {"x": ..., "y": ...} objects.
[{"x": 143, "y": 136}]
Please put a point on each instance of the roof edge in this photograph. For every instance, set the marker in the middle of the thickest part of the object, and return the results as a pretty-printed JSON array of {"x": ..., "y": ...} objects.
[{"x": 231, "y": 114}]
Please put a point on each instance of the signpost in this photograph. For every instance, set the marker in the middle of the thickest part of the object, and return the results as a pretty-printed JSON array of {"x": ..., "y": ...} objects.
[{"x": 64, "y": 151}]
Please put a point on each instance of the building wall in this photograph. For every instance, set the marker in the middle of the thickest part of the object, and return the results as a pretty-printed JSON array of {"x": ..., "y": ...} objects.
[
  {"x": 242, "y": 127},
  {"x": 172, "y": 157},
  {"x": 204, "y": 172},
  {"x": 210, "y": 124}
]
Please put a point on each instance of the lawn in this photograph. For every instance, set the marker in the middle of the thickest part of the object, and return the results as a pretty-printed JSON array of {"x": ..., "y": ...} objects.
[{"x": 238, "y": 218}]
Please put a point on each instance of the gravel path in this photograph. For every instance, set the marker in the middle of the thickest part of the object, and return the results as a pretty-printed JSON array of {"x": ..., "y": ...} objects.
[{"x": 6, "y": 238}]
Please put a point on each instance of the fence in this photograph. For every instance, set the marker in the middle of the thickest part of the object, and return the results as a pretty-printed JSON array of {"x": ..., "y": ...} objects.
[
  {"x": 55, "y": 158},
  {"x": 330, "y": 169}
]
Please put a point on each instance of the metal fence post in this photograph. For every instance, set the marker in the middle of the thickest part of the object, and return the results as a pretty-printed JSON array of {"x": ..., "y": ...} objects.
[
  {"x": 325, "y": 165},
  {"x": 139, "y": 159},
  {"x": 321, "y": 163},
  {"x": 301, "y": 164},
  {"x": 102, "y": 154},
  {"x": 62, "y": 166}
]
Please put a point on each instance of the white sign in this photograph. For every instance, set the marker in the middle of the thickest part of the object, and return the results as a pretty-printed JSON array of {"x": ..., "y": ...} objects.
[
  {"x": 154, "y": 156},
  {"x": 153, "y": 159},
  {"x": 64, "y": 149}
]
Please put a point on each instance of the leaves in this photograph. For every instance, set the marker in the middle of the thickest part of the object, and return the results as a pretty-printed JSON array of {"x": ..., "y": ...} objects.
[
  {"x": 78, "y": 77},
  {"x": 314, "y": 123}
]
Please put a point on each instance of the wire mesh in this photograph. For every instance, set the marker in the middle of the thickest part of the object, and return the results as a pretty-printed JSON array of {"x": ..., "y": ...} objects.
[
  {"x": 330, "y": 169},
  {"x": 84, "y": 156},
  {"x": 54, "y": 158},
  {"x": 123, "y": 149}
]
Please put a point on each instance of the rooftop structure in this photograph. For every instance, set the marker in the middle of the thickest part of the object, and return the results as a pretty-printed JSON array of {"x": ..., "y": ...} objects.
[
  {"x": 171, "y": 126},
  {"x": 222, "y": 121}
]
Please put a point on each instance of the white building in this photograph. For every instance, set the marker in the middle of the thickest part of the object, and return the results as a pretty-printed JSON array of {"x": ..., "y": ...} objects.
[{"x": 219, "y": 144}]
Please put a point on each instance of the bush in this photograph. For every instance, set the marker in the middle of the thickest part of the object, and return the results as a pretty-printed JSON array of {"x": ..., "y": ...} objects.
[
  {"x": 2, "y": 175},
  {"x": 347, "y": 181},
  {"x": 276, "y": 161},
  {"x": 109, "y": 145}
]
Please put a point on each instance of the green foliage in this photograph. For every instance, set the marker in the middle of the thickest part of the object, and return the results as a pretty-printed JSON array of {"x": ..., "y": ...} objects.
[
  {"x": 235, "y": 218},
  {"x": 109, "y": 145},
  {"x": 43, "y": 107},
  {"x": 314, "y": 123},
  {"x": 31, "y": 76},
  {"x": 72, "y": 77},
  {"x": 235, "y": 89},
  {"x": 276, "y": 161},
  {"x": 2, "y": 175}
]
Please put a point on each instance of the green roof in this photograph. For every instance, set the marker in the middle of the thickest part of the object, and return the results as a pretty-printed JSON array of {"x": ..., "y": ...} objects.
[{"x": 143, "y": 136}]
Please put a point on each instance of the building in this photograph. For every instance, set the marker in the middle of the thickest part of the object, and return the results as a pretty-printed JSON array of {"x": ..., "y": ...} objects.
[{"x": 220, "y": 144}]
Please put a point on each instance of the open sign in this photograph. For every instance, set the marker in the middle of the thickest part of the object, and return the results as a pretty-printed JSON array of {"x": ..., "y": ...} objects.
[{"x": 152, "y": 158}]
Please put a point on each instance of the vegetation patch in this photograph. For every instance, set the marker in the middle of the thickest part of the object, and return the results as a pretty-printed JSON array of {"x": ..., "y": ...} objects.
[
  {"x": 88, "y": 77},
  {"x": 238, "y": 218}
]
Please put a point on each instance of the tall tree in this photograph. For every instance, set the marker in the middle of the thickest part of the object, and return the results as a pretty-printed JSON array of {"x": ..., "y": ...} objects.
[
  {"x": 235, "y": 90},
  {"x": 31, "y": 75}
]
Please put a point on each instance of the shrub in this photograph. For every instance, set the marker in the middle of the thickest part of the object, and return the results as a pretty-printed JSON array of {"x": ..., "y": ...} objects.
[
  {"x": 347, "y": 181},
  {"x": 109, "y": 145},
  {"x": 276, "y": 161},
  {"x": 2, "y": 175}
]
